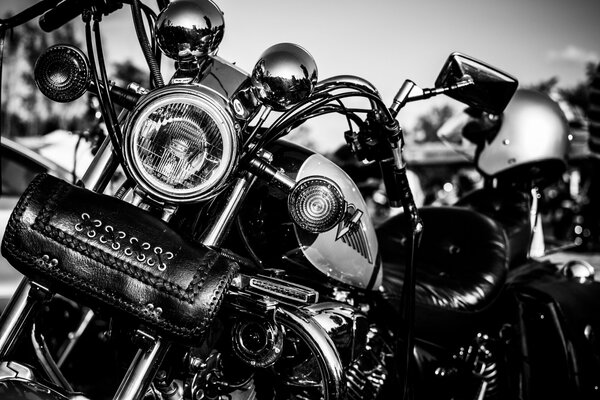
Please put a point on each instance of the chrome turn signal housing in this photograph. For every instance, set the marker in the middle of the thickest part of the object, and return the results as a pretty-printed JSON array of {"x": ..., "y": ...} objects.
[
  {"x": 316, "y": 204},
  {"x": 180, "y": 144}
]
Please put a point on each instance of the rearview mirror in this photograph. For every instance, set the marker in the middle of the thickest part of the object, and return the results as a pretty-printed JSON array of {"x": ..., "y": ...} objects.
[{"x": 491, "y": 90}]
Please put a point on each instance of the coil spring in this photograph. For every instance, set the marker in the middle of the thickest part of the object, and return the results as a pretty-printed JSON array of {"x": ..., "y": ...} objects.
[
  {"x": 485, "y": 367},
  {"x": 489, "y": 377},
  {"x": 365, "y": 384}
]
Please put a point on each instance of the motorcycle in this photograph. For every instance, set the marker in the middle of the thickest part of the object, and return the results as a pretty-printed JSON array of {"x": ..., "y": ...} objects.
[
  {"x": 232, "y": 264},
  {"x": 519, "y": 154}
]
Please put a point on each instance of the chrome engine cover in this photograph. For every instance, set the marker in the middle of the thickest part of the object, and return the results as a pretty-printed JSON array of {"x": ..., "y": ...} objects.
[{"x": 329, "y": 350}]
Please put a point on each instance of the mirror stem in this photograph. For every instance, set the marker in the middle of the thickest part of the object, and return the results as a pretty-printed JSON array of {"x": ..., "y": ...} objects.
[
  {"x": 427, "y": 93},
  {"x": 401, "y": 97}
]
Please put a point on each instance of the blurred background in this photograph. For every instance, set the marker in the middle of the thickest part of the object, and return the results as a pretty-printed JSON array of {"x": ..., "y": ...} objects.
[{"x": 550, "y": 45}]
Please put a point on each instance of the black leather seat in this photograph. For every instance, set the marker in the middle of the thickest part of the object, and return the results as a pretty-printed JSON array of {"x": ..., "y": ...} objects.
[
  {"x": 510, "y": 207},
  {"x": 461, "y": 264}
]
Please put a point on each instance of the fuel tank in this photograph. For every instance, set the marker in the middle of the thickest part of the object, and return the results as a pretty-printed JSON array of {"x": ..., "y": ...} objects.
[{"x": 347, "y": 253}]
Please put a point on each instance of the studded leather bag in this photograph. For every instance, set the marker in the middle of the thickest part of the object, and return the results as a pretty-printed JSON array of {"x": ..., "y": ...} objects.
[{"x": 115, "y": 257}]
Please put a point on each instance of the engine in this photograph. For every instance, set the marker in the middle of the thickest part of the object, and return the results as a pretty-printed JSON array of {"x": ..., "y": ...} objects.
[{"x": 293, "y": 347}]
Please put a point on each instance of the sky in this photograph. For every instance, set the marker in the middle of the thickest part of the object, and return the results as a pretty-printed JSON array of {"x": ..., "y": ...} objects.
[{"x": 387, "y": 41}]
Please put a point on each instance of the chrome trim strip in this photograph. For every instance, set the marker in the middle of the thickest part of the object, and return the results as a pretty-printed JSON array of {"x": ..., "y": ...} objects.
[
  {"x": 25, "y": 300},
  {"x": 284, "y": 290}
]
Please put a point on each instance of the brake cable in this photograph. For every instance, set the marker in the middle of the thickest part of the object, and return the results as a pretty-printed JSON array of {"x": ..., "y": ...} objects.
[{"x": 112, "y": 127}]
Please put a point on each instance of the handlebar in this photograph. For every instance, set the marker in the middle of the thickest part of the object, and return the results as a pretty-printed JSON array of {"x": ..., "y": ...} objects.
[
  {"x": 56, "y": 13},
  {"x": 28, "y": 14},
  {"x": 70, "y": 9},
  {"x": 63, "y": 13}
]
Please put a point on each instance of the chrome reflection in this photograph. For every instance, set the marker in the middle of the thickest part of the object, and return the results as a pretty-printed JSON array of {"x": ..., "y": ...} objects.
[
  {"x": 257, "y": 343},
  {"x": 579, "y": 271},
  {"x": 284, "y": 75},
  {"x": 316, "y": 204},
  {"x": 180, "y": 144},
  {"x": 322, "y": 347},
  {"x": 190, "y": 28},
  {"x": 345, "y": 325}
]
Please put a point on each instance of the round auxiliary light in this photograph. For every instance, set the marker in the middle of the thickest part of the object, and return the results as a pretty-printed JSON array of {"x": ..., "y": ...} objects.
[
  {"x": 180, "y": 144},
  {"x": 62, "y": 73},
  {"x": 316, "y": 204}
]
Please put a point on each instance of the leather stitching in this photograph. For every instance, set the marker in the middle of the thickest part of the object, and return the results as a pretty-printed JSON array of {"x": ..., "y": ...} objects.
[
  {"x": 163, "y": 285},
  {"x": 17, "y": 215},
  {"x": 47, "y": 211},
  {"x": 112, "y": 299},
  {"x": 98, "y": 255},
  {"x": 208, "y": 262},
  {"x": 67, "y": 278}
]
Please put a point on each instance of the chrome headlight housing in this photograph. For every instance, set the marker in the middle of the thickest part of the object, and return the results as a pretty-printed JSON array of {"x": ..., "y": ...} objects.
[{"x": 180, "y": 144}]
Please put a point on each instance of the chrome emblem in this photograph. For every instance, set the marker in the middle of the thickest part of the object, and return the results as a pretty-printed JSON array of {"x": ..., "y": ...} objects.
[{"x": 352, "y": 231}]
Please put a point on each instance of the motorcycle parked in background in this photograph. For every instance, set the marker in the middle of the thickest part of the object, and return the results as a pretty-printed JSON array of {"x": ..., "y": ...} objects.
[
  {"x": 518, "y": 153},
  {"x": 233, "y": 264}
]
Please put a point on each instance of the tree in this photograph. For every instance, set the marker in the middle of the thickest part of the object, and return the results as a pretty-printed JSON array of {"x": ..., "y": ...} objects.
[
  {"x": 576, "y": 96},
  {"x": 126, "y": 72},
  {"x": 426, "y": 128}
]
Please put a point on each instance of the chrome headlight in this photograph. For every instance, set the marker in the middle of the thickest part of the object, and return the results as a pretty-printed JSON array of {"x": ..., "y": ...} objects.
[{"x": 180, "y": 144}]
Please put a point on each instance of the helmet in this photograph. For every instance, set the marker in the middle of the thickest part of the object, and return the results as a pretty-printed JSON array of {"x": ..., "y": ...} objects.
[{"x": 531, "y": 143}]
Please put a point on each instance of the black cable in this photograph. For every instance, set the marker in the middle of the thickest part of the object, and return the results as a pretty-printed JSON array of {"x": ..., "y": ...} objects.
[
  {"x": 314, "y": 106},
  {"x": 151, "y": 18},
  {"x": 162, "y": 4},
  {"x": 360, "y": 88},
  {"x": 74, "y": 172},
  {"x": 152, "y": 36},
  {"x": 408, "y": 316},
  {"x": 321, "y": 93},
  {"x": 110, "y": 108},
  {"x": 264, "y": 139},
  {"x": 303, "y": 111},
  {"x": 145, "y": 45},
  {"x": 109, "y": 126},
  {"x": 330, "y": 109},
  {"x": 2, "y": 41},
  {"x": 296, "y": 112},
  {"x": 337, "y": 97},
  {"x": 345, "y": 112},
  {"x": 92, "y": 58},
  {"x": 27, "y": 14},
  {"x": 145, "y": 8},
  {"x": 148, "y": 11}
]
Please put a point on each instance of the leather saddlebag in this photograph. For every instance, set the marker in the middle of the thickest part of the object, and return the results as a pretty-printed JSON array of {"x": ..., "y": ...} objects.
[{"x": 117, "y": 258}]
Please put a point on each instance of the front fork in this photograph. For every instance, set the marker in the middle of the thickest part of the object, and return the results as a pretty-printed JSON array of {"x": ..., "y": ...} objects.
[
  {"x": 26, "y": 302},
  {"x": 24, "y": 305},
  {"x": 151, "y": 349}
]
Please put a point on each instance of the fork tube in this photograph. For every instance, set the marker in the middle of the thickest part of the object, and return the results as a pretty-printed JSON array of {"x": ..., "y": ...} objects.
[
  {"x": 142, "y": 370},
  {"x": 74, "y": 336},
  {"x": 218, "y": 229},
  {"x": 26, "y": 300},
  {"x": 102, "y": 168}
]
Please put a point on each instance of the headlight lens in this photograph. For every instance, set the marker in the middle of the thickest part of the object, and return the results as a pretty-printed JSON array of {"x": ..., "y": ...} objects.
[{"x": 181, "y": 145}]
